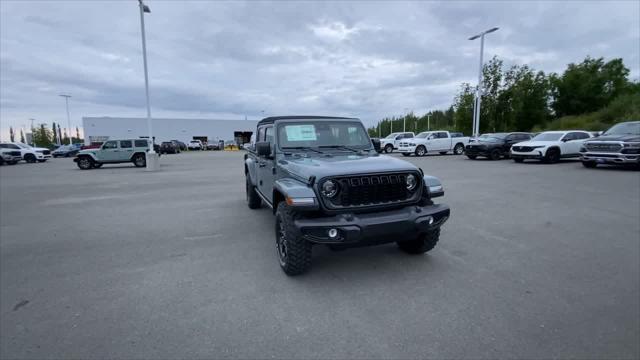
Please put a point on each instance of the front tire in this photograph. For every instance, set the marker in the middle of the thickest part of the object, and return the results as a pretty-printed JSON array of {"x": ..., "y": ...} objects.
[
  {"x": 85, "y": 163},
  {"x": 388, "y": 149},
  {"x": 30, "y": 158},
  {"x": 139, "y": 160},
  {"x": 458, "y": 149},
  {"x": 589, "y": 164},
  {"x": 552, "y": 156},
  {"x": 425, "y": 242},
  {"x": 294, "y": 252},
  {"x": 421, "y": 151},
  {"x": 253, "y": 199},
  {"x": 495, "y": 154}
]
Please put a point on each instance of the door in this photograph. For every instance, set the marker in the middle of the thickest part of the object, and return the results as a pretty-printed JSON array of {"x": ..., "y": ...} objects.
[
  {"x": 443, "y": 142},
  {"x": 572, "y": 143},
  {"x": 109, "y": 151},
  {"x": 126, "y": 150},
  {"x": 266, "y": 166},
  {"x": 509, "y": 141}
]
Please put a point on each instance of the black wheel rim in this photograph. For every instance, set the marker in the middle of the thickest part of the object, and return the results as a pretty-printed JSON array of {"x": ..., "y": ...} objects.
[
  {"x": 420, "y": 151},
  {"x": 458, "y": 150},
  {"x": 84, "y": 163},
  {"x": 281, "y": 242},
  {"x": 139, "y": 161}
]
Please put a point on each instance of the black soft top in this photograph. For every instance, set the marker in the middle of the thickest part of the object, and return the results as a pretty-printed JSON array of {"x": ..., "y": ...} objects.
[{"x": 271, "y": 119}]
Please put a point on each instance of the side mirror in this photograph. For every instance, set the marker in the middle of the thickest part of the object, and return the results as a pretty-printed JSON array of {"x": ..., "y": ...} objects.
[
  {"x": 376, "y": 144},
  {"x": 263, "y": 148}
]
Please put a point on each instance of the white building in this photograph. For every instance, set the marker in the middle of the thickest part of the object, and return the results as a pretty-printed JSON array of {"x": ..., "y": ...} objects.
[{"x": 99, "y": 129}]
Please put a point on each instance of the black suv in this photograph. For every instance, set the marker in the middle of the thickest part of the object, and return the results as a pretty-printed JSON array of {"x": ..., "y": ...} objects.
[
  {"x": 495, "y": 146},
  {"x": 169, "y": 147},
  {"x": 326, "y": 184}
]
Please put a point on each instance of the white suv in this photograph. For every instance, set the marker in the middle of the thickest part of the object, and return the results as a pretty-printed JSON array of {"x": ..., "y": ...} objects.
[
  {"x": 28, "y": 153},
  {"x": 550, "y": 146},
  {"x": 195, "y": 145}
]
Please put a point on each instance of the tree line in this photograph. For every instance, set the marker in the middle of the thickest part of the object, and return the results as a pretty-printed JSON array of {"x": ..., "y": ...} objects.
[
  {"x": 43, "y": 136},
  {"x": 589, "y": 95}
]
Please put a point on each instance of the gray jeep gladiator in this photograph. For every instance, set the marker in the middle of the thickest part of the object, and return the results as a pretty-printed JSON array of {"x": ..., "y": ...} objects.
[{"x": 327, "y": 184}]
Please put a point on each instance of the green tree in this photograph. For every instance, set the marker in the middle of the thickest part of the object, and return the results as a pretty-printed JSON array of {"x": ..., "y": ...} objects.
[
  {"x": 463, "y": 107},
  {"x": 11, "y": 134},
  {"x": 42, "y": 136},
  {"x": 55, "y": 133},
  {"x": 588, "y": 86},
  {"x": 22, "y": 137}
]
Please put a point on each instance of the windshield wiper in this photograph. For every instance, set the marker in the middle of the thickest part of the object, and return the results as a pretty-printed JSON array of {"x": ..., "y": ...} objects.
[
  {"x": 301, "y": 148},
  {"x": 339, "y": 147}
]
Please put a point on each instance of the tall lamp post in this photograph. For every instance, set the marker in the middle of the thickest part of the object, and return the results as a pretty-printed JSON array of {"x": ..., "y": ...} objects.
[
  {"x": 152, "y": 157},
  {"x": 476, "y": 112},
  {"x": 33, "y": 133},
  {"x": 66, "y": 100}
]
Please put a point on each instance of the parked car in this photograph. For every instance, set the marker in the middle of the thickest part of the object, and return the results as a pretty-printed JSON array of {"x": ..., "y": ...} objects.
[
  {"x": 494, "y": 146},
  {"x": 10, "y": 156},
  {"x": 620, "y": 145},
  {"x": 114, "y": 152},
  {"x": 327, "y": 185},
  {"x": 195, "y": 145},
  {"x": 433, "y": 141},
  {"x": 215, "y": 145},
  {"x": 180, "y": 144},
  {"x": 168, "y": 147},
  {"x": 550, "y": 146},
  {"x": 29, "y": 154},
  {"x": 392, "y": 141},
  {"x": 65, "y": 151}
]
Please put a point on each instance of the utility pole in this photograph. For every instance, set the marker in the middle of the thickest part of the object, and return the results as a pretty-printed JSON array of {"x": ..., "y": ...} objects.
[
  {"x": 33, "y": 134},
  {"x": 151, "y": 156},
  {"x": 476, "y": 112},
  {"x": 429, "y": 122},
  {"x": 66, "y": 99}
]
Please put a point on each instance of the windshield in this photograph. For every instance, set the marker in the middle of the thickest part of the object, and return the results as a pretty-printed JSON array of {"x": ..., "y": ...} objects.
[
  {"x": 548, "y": 137},
  {"x": 323, "y": 134},
  {"x": 24, "y": 146},
  {"x": 423, "y": 135},
  {"x": 491, "y": 137},
  {"x": 392, "y": 135},
  {"x": 624, "y": 129}
]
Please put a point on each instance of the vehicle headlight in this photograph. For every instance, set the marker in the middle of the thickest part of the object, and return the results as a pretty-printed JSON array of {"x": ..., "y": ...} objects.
[
  {"x": 411, "y": 182},
  {"x": 329, "y": 188}
]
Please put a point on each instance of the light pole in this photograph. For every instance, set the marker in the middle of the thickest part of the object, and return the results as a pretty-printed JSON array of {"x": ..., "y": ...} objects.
[
  {"x": 476, "y": 112},
  {"x": 66, "y": 100},
  {"x": 404, "y": 121},
  {"x": 152, "y": 157},
  {"x": 33, "y": 138},
  {"x": 429, "y": 122}
]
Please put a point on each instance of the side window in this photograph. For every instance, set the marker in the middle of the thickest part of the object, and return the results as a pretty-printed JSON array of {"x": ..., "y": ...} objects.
[
  {"x": 268, "y": 135},
  {"x": 443, "y": 135},
  {"x": 570, "y": 136},
  {"x": 141, "y": 143},
  {"x": 110, "y": 145},
  {"x": 4, "y": 146},
  {"x": 400, "y": 137},
  {"x": 582, "y": 135},
  {"x": 408, "y": 135},
  {"x": 125, "y": 144},
  {"x": 260, "y": 134}
]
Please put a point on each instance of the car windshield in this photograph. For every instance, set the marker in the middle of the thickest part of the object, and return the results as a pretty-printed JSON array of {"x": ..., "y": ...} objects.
[
  {"x": 392, "y": 135},
  {"x": 24, "y": 146},
  {"x": 306, "y": 134},
  {"x": 624, "y": 129},
  {"x": 491, "y": 137},
  {"x": 548, "y": 137},
  {"x": 423, "y": 135}
]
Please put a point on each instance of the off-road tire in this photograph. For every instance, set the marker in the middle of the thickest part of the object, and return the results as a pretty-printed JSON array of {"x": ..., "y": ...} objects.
[
  {"x": 295, "y": 256},
  {"x": 388, "y": 149},
  {"x": 253, "y": 199},
  {"x": 85, "y": 163},
  {"x": 30, "y": 158},
  {"x": 421, "y": 244},
  {"x": 139, "y": 160},
  {"x": 589, "y": 164},
  {"x": 405, "y": 154},
  {"x": 472, "y": 157},
  {"x": 458, "y": 149},
  {"x": 495, "y": 154},
  {"x": 518, "y": 160},
  {"x": 552, "y": 156},
  {"x": 421, "y": 151}
]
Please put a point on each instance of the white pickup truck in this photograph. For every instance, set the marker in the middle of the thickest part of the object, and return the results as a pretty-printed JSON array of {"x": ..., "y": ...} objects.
[
  {"x": 434, "y": 142},
  {"x": 391, "y": 142}
]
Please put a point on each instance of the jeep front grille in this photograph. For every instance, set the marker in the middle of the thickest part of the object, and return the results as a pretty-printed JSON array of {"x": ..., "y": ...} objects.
[
  {"x": 603, "y": 146},
  {"x": 372, "y": 190}
]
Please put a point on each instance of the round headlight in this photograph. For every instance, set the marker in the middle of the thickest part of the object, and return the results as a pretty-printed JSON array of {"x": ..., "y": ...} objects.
[
  {"x": 329, "y": 188},
  {"x": 411, "y": 182}
]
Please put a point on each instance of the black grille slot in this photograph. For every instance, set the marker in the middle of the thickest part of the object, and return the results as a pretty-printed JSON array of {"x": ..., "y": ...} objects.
[
  {"x": 372, "y": 190},
  {"x": 523, "y": 148},
  {"x": 14, "y": 153}
]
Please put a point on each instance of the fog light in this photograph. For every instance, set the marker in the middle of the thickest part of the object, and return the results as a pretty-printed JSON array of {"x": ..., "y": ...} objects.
[
  {"x": 333, "y": 233},
  {"x": 430, "y": 219}
]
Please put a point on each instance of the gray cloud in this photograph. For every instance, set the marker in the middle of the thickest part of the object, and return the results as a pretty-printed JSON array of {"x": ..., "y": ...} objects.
[{"x": 231, "y": 59}]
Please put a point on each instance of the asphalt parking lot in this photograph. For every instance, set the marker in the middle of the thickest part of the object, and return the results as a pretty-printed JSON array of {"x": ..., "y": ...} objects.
[{"x": 537, "y": 261}]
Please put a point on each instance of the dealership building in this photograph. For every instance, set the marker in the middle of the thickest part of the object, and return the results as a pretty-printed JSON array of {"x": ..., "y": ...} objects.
[{"x": 99, "y": 129}]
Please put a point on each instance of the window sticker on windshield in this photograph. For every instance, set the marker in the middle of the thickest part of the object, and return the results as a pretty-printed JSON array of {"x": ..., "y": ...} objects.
[{"x": 301, "y": 132}]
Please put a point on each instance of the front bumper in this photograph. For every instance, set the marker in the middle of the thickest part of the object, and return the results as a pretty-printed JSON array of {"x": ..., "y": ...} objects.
[
  {"x": 407, "y": 149},
  {"x": 374, "y": 228},
  {"x": 41, "y": 156},
  {"x": 535, "y": 154},
  {"x": 610, "y": 158},
  {"x": 10, "y": 158},
  {"x": 476, "y": 150}
]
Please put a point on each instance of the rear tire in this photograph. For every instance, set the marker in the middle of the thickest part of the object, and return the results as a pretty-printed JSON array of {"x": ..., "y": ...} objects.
[
  {"x": 139, "y": 160},
  {"x": 388, "y": 149},
  {"x": 421, "y": 244},
  {"x": 30, "y": 158},
  {"x": 589, "y": 164},
  {"x": 458, "y": 149},
  {"x": 253, "y": 199},
  {"x": 495, "y": 154},
  {"x": 552, "y": 156},
  {"x": 421, "y": 151},
  {"x": 85, "y": 163},
  {"x": 294, "y": 252}
]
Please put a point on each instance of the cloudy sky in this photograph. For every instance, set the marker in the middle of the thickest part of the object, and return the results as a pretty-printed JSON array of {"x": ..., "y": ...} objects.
[{"x": 236, "y": 59}]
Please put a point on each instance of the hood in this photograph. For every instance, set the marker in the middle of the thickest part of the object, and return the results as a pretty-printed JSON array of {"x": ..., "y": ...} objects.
[
  {"x": 536, "y": 143},
  {"x": 343, "y": 164},
  {"x": 39, "y": 149},
  {"x": 623, "y": 137}
]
